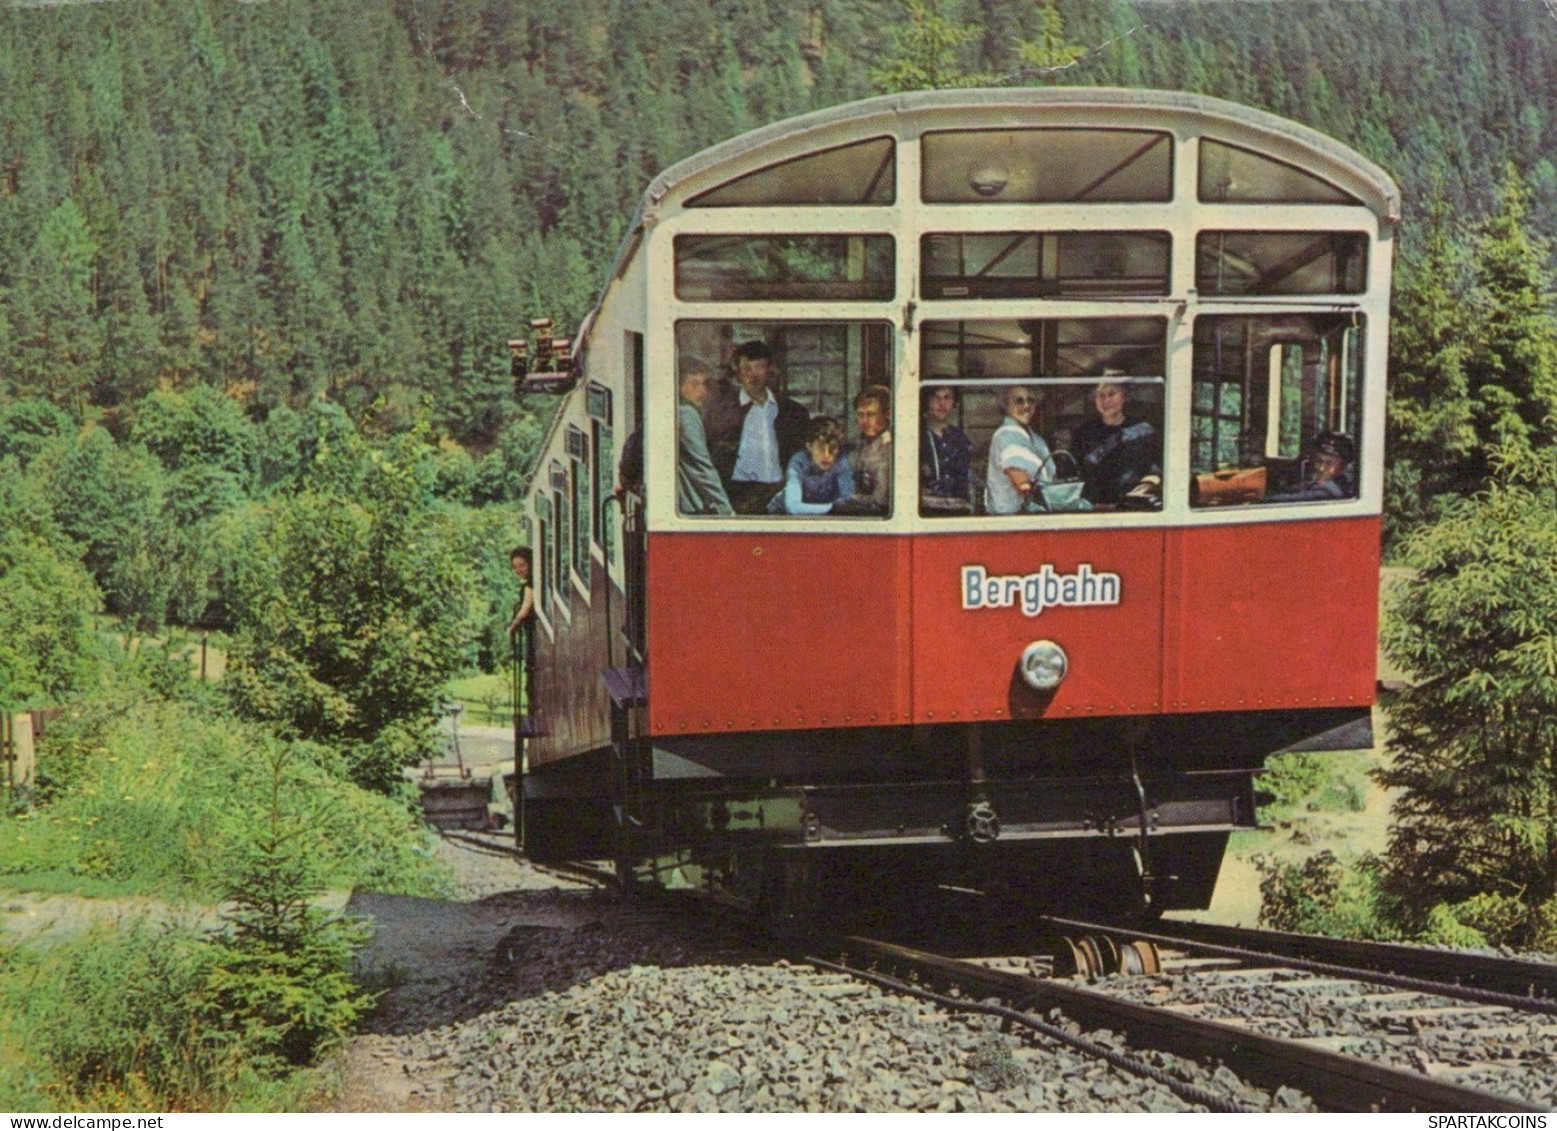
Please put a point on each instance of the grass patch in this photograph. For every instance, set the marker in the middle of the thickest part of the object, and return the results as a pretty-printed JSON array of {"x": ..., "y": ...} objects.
[
  {"x": 152, "y": 799},
  {"x": 60, "y": 881},
  {"x": 124, "y": 1017},
  {"x": 487, "y": 698}
]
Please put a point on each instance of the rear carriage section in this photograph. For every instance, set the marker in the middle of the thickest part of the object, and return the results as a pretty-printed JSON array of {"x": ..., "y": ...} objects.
[{"x": 1166, "y": 313}]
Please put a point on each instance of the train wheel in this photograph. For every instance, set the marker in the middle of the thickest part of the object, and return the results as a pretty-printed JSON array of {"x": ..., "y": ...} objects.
[
  {"x": 1075, "y": 957},
  {"x": 1108, "y": 954},
  {"x": 1139, "y": 957}
]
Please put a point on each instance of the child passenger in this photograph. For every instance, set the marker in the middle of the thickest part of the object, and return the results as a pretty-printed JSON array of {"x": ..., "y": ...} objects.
[{"x": 818, "y": 474}]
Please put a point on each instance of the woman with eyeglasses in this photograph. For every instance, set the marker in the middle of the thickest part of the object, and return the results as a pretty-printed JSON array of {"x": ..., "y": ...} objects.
[{"x": 1018, "y": 458}]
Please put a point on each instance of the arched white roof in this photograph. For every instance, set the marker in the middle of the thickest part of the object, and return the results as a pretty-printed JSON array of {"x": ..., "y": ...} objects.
[{"x": 1009, "y": 108}]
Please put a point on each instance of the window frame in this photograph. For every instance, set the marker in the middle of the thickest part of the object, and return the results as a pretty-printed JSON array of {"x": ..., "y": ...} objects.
[
  {"x": 929, "y": 138},
  {"x": 890, "y": 280}
]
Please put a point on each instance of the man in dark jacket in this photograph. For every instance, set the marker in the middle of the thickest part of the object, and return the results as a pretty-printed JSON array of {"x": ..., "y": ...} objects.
[{"x": 753, "y": 431}]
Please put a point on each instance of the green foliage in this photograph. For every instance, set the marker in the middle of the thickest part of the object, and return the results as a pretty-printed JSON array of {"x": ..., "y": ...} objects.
[
  {"x": 929, "y": 49},
  {"x": 115, "y": 1019},
  {"x": 924, "y": 52},
  {"x": 1474, "y": 740},
  {"x": 281, "y": 971},
  {"x": 1514, "y": 368},
  {"x": 355, "y": 607},
  {"x": 27, "y": 424},
  {"x": 1049, "y": 52},
  {"x": 156, "y": 797},
  {"x": 201, "y": 428},
  {"x": 1311, "y": 782},
  {"x": 48, "y": 649},
  {"x": 1432, "y": 443},
  {"x": 1327, "y": 896}
]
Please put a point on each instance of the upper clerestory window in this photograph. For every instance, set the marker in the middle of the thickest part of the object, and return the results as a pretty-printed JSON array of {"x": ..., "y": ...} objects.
[
  {"x": 1047, "y": 166},
  {"x": 1044, "y": 264},
  {"x": 783, "y": 267},
  {"x": 1228, "y": 173},
  {"x": 1281, "y": 263},
  {"x": 860, "y": 173}
]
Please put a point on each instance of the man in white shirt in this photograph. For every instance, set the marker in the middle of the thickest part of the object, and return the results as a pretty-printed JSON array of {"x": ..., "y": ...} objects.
[{"x": 752, "y": 431}]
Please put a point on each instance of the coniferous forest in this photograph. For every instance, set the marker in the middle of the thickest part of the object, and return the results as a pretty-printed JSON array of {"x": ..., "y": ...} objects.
[{"x": 258, "y": 262}]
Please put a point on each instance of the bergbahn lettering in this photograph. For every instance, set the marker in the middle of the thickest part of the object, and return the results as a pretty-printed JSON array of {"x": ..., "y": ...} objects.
[{"x": 1039, "y": 590}]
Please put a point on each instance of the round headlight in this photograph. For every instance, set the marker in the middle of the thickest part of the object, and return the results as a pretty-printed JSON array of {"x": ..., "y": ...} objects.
[{"x": 1043, "y": 665}]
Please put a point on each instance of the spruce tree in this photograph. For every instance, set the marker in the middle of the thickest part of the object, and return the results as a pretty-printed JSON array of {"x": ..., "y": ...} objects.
[
  {"x": 1474, "y": 739},
  {"x": 1432, "y": 444},
  {"x": 1514, "y": 365}
]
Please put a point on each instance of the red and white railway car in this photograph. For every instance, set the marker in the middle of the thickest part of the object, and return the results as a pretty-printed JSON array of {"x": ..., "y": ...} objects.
[{"x": 1065, "y": 687}]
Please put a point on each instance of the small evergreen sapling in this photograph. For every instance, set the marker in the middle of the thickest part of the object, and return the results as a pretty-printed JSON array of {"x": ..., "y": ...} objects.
[{"x": 282, "y": 975}]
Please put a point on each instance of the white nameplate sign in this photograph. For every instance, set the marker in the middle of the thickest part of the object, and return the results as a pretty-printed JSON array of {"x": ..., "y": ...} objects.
[{"x": 1040, "y": 590}]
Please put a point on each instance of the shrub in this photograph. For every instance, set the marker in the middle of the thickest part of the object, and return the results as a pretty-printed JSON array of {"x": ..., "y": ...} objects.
[
  {"x": 282, "y": 969},
  {"x": 116, "y": 1018},
  {"x": 154, "y": 797},
  {"x": 1323, "y": 895}
]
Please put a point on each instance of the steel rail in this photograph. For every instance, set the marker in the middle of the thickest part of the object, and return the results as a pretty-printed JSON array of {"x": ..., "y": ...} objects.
[
  {"x": 1290, "y": 958},
  {"x": 1517, "y": 976},
  {"x": 1335, "y": 1081},
  {"x": 1191, "y": 1092}
]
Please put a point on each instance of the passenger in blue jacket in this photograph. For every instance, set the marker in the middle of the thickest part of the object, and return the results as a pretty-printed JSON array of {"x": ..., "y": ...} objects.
[
  {"x": 818, "y": 475},
  {"x": 945, "y": 454}
]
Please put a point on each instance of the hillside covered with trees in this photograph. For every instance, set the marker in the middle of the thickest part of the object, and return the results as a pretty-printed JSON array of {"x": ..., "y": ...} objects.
[
  {"x": 258, "y": 262},
  {"x": 292, "y": 199}
]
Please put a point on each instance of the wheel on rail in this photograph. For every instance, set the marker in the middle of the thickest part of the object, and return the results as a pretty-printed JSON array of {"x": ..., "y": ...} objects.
[
  {"x": 1070, "y": 958},
  {"x": 1109, "y": 961},
  {"x": 1139, "y": 957},
  {"x": 1088, "y": 945}
]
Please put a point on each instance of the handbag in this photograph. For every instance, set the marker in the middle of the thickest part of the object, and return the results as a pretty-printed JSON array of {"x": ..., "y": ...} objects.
[
  {"x": 1062, "y": 494},
  {"x": 1229, "y": 486}
]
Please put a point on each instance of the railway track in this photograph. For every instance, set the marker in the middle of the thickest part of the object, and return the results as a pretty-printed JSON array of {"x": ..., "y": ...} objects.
[
  {"x": 1335, "y": 1080},
  {"x": 1488, "y": 979}
]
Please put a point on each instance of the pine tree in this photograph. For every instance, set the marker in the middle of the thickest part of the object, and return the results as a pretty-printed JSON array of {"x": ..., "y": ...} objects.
[
  {"x": 1474, "y": 740},
  {"x": 924, "y": 52},
  {"x": 1048, "y": 54},
  {"x": 1432, "y": 445},
  {"x": 1514, "y": 366}
]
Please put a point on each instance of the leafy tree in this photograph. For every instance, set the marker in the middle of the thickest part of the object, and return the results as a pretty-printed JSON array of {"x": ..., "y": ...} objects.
[
  {"x": 354, "y": 609},
  {"x": 27, "y": 424},
  {"x": 1474, "y": 740},
  {"x": 200, "y": 428},
  {"x": 47, "y": 645},
  {"x": 110, "y": 498}
]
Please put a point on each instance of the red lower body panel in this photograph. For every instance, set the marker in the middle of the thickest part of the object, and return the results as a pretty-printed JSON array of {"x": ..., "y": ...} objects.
[{"x": 795, "y": 631}]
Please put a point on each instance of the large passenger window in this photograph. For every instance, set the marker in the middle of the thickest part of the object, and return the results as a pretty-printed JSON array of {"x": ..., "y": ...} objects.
[
  {"x": 783, "y": 419},
  {"x": 861, "y": 173},
  {"x": 1047, "y": 166},
  {"x": 1277, "y": 409},
  {"x": 784, "y": 267},
  {"x": 1056, "y": 416},
  {"x": 1044, "y": 264},
  {"x": 1281, "y": 263}
]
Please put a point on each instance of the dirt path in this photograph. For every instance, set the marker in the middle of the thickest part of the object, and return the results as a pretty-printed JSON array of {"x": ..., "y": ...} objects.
[{"x": 438, "y": 962}]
